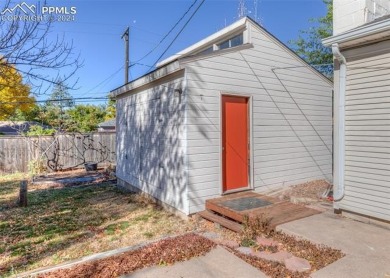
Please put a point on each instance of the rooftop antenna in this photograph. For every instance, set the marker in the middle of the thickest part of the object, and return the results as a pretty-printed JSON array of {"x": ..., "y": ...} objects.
[
  {"x": 242, "y": 11},
  {"x": 255, "y": 3},
  {"x": 257, "y": 16}
]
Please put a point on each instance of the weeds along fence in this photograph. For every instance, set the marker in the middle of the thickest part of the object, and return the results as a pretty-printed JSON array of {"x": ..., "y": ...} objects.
[{"x": 54, "y": 153}]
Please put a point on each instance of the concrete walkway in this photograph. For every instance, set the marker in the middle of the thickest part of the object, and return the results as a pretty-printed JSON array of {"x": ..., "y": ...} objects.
[
  {"x": 367, "y": 247},
  {"x": 215, "y": 264}
]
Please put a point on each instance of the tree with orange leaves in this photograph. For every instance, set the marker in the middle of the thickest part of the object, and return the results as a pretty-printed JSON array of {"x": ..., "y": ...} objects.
[{"x": 14, "y": 94}]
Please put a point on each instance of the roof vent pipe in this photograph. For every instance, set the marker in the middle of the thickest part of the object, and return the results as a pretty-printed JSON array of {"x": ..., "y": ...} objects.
[{"x": 340, "y": 189}]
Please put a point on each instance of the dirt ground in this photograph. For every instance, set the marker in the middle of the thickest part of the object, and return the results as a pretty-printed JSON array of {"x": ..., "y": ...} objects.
[
  {"x": 73, "y": 178},
  {"x": 310, "y": 193},
  {"x": 72, "y": 173}
]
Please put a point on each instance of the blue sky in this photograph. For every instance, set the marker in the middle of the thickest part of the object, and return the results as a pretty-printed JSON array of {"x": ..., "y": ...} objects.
[{"x": 99, "y": 24}]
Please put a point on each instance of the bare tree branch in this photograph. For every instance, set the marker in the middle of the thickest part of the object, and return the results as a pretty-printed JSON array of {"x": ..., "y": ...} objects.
[{"x": 42, "y": 61}]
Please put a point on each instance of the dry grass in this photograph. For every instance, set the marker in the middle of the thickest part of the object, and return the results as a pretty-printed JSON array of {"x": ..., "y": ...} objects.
[
  {"x": 68, "y": 223},
  {"x": 254, "y": 227},
  {"x": 8, "y": 189},
  {"x": 13, "y": 177}
]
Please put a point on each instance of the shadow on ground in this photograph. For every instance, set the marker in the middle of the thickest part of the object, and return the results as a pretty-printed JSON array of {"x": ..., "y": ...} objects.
[{"x": 58, "y": 219}]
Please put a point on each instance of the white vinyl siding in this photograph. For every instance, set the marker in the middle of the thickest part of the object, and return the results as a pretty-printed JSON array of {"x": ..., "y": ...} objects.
[
  {"x": 169, "y": 144},
  {"x": 291, "y": 117},
  {"x": 151, "y": 142},
  {"x": 367, "y": 133}
]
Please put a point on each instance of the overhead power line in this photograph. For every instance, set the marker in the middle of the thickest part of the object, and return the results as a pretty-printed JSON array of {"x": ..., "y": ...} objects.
[
  {"x": 55, "y": 100},
  {"x": 178, "y": 34},
  {"x": 105, "y": 80},
  {"x": 166, "y": 35}
]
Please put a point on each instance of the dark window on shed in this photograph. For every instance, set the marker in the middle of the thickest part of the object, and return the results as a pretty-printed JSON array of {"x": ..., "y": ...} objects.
[
  {"x": 207, "y": 50},
  {"x": 237, "y": 40},
  {"x": 224, "y": 45},
  {"x": 232, "y": 42}
]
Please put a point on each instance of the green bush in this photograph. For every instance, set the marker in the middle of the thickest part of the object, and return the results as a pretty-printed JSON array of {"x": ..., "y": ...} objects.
[
  {"x": 36, "y": 167},
  {"x": 37, "y": 130}
]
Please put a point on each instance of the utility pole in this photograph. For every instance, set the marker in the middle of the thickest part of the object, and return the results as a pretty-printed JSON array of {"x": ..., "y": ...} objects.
[{"x": 125, "y": 36}]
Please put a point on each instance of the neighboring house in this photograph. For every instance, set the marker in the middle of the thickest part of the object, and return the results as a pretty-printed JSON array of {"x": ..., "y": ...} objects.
[
  {"x": 235, "y": 111},
  {"x": 12, "y": 128},
  {"x": 107, "y": 126},
  {"x": 349, "y": 14},
  {"x": 361, "y": 110}
]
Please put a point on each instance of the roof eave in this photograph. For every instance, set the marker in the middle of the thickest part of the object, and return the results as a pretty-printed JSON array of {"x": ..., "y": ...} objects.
[
  {"x": 352, "y": 37},
  {"x": 159, "y": 73},
  {"x": 166, "y": 65},
  {"x": 218, "y": 36}
]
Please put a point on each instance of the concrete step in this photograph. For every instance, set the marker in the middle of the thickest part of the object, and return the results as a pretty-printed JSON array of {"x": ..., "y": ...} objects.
[{"x": 225, "y": 222}]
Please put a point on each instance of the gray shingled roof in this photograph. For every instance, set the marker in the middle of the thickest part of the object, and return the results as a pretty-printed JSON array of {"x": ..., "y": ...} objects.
[
  {"x": 109, "y": 123},
  {"x": 16, "y": 127}
]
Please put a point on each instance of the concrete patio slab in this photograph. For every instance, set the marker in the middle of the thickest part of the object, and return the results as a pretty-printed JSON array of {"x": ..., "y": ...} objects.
[
  {"x": 217, "y": 263},
  {"x": 367, "y": 247}
]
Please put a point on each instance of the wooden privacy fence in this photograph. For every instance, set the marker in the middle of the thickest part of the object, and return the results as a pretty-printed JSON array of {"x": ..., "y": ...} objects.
[{"x": 59, "y": 152}]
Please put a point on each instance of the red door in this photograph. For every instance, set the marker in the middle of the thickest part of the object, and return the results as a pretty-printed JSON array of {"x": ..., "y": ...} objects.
[{"x": 235, "y": 150}]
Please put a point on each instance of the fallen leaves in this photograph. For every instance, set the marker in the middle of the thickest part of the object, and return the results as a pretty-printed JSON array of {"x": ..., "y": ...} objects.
[
  {"x": 164, "y": 252},
  {"x": 272, "y": 269},
  {"x": 319, "y": 256}
]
